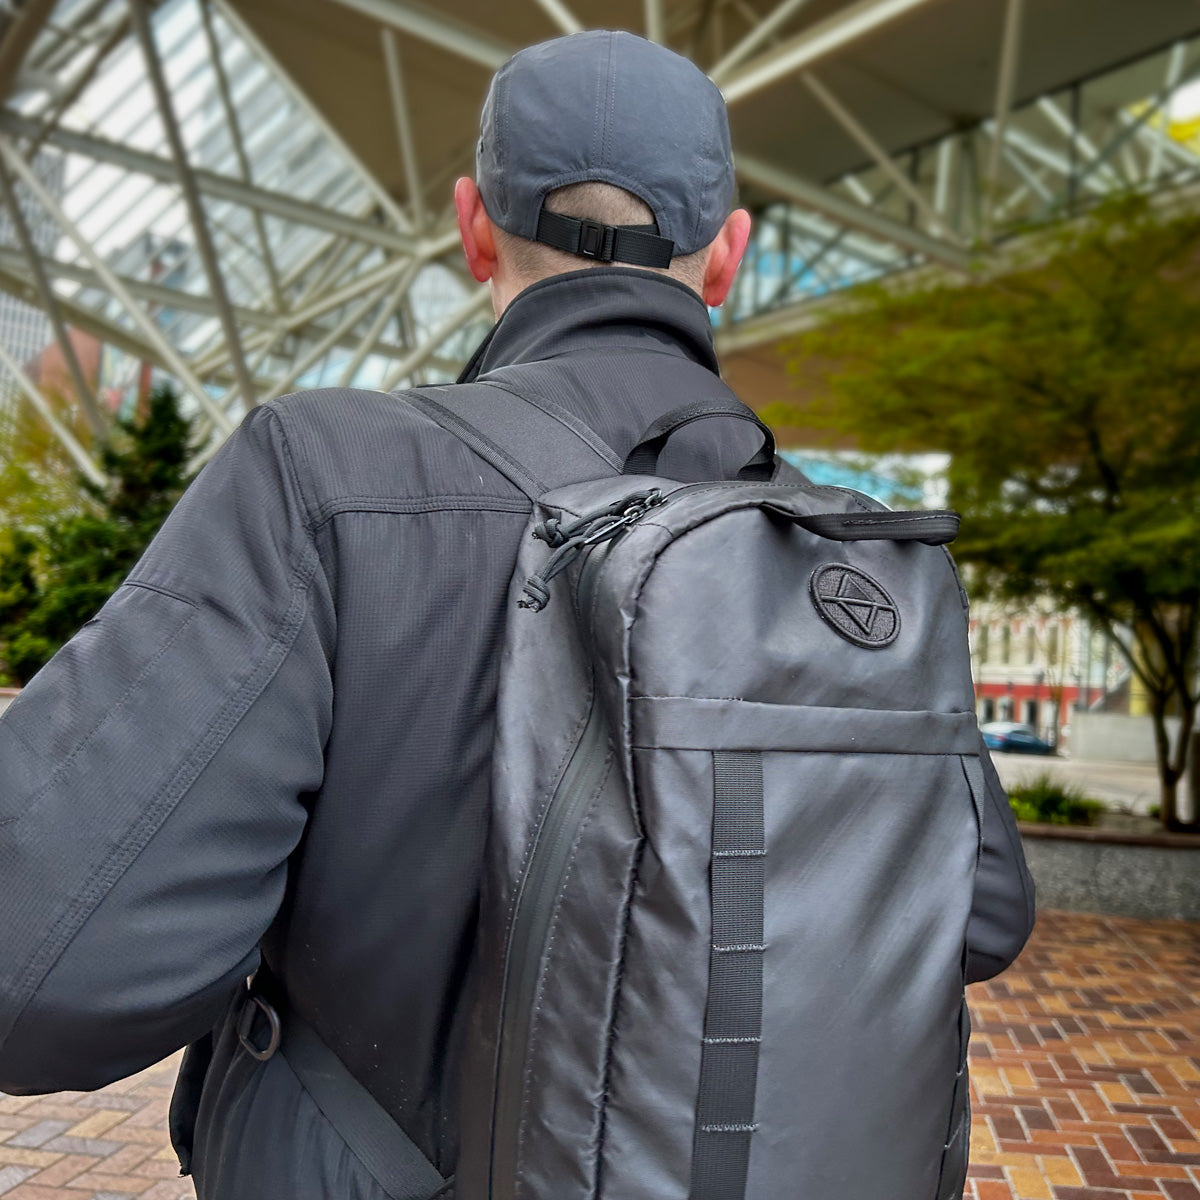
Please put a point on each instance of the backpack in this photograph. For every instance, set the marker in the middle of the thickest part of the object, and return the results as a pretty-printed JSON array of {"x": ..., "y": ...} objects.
[{"x": 735, "y": 827}]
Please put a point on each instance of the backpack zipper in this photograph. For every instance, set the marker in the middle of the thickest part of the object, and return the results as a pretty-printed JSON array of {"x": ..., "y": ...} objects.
[
  {"x": 593, "y": 535},
  {"x": 535, "y": 906}
]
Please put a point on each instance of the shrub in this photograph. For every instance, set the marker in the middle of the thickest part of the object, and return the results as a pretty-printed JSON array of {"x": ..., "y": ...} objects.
[{"x": 1051, "y": 803}]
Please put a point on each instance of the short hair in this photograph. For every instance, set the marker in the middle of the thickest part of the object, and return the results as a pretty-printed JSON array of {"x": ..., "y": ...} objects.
[{"x": 603, "y": 202}]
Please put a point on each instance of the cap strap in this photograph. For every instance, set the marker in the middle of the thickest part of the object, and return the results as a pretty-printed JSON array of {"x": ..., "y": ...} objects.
[{"x": 639, "y": 245}]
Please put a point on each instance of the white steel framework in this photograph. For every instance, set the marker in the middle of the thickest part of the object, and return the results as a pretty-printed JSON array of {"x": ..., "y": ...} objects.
[{"x": 222, "y": 224}]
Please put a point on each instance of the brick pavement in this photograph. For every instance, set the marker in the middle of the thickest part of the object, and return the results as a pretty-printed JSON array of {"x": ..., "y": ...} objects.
[
  {"x": 1085, "y": 1063},
  {"x": 105, "y": 1145},
  {"x": 1085, "y": 1080}
]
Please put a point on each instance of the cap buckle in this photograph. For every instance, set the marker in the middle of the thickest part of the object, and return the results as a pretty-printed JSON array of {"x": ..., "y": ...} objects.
[{"x": 596, "y": 240}]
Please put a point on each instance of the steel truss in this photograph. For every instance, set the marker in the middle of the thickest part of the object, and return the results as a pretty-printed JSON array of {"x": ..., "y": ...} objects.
[
  {"x": 220, "y": 232},
  {"x": 955, "y": 201},
  {"x": 215, "y": 225}
]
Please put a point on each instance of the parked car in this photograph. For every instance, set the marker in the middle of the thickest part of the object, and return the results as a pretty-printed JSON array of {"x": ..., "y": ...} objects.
[{"x": 1012, "y": 738}]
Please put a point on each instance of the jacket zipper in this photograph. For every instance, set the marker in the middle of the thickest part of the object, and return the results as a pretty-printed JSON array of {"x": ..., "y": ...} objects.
[{"x": 534, "y": 912}]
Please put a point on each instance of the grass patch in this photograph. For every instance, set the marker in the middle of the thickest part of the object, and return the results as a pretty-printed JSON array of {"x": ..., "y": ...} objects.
[{"x": 1050, "y": 803}]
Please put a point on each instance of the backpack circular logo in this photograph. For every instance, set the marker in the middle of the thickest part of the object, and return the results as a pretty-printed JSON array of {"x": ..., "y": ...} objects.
[{"x": 855, "y": 605}]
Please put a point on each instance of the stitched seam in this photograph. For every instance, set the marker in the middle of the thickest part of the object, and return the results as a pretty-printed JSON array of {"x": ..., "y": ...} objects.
[
  {"x": 160, "y": 808},
  {"x": 526, "y": 1071},
  {"x": 111, "y": 712},
  {"x": 162, "y": 591},
  {"x": 290, "y": 467},
  {"x": 610, "y": 1045},
  {"x": 427, "y": 504}
]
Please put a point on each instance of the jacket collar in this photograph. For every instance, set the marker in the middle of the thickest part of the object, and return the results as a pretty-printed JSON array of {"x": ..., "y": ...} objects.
[{"x": 597, "y": 310}]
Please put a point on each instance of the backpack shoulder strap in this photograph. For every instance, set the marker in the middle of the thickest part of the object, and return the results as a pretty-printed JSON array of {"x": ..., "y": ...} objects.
[{"x": 533, "y": 443}]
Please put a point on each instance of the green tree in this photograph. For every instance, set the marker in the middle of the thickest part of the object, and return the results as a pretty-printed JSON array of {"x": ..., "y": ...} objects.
[
  {"x": 1067, "y": 395},
  {"x": 54, "y": 576}
]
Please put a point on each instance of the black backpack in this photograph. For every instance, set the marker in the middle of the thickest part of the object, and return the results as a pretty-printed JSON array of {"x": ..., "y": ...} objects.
[{"x": 736, "y": 823}]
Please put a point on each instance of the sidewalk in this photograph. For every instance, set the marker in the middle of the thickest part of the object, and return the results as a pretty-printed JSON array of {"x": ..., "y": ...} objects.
[
  {"x": 106, "y": 1145},
  {"x": 1125, "y": 786},
  {"x": 1085, "y": 1066}
]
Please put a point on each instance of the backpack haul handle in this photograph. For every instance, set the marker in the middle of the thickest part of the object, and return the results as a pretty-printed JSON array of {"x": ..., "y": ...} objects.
[
  {"x": 643, "y": 458},
  {"x": 933, "y": 527}
]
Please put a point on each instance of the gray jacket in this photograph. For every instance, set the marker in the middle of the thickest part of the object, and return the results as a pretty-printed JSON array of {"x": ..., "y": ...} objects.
[{"x": 275, "y": 738}]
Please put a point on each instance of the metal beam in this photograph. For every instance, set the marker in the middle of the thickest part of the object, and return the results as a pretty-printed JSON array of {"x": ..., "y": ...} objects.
[
  {"x": 816, "y": 43},
  {"x": 75, "y": 88},
  {"x": 315, "y": 353},
  {"x": 1062, "y": 123},
  {"x": 18, "y": 38},
  {"x": 430, "y": 26},
  {"x": 1006, "y": 77},
  {"x": 233, "y": 18},
  {"x": 49, "y": 305},
  {"x": 436, "y": 336},
  {"x": 1175, "y": 61},
  {"x": 220, "y": 187},
  {"x": 98, "y": 326},
  {"x": 562, "y": 16},
  {"x": 355, "y": 288},
  {"x": 386, "y": 311},
  {"x": 764, "y": 31},
  {"x": 152, "y": 293},
  {"x": 850, "y": 123},
  {"x": 802, "y": 191},
  {"x": 191, "y": 195},
  {"x": 404, "y": 129},
  {"x": 149, "y": 330},
  {"x": 42, "y": 407},
  {"x": 239, "y": 147},
  {"x": 656, "y": 26}
]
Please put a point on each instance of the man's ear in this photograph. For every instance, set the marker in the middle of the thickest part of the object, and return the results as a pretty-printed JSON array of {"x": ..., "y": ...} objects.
[
  {"x": 724, "y": 255},
  {"x": 478, "y": 239}
]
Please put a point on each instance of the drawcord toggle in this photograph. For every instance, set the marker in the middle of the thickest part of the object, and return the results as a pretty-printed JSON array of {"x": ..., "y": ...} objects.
[{"x": 570, "y": 541}]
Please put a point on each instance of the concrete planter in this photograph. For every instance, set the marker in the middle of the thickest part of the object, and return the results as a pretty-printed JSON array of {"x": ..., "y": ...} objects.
[
  {"x": 1113, "y": 872},
  {"x": 7, "y": 696}
]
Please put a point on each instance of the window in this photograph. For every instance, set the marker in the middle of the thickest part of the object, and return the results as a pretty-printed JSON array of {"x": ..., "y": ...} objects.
[
  {"x": 981, "y": 641},
  {"x": 1005, "y": 643},
  {"x": 1030, "y": 644},
  {"x": 1052, "y": 645}
]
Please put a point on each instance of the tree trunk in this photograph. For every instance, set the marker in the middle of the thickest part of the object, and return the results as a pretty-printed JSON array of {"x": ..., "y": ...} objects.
[
  {"x": 1187, "y": 722},
  {"x": 1168, "y": 778},
  {"x": 1171, "y": 765}
]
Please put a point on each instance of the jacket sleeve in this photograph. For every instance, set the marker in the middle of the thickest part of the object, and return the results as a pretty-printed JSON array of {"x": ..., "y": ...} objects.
[
  {"x": 153, "y": 781},
  {"x": 1002, "y": 909}
]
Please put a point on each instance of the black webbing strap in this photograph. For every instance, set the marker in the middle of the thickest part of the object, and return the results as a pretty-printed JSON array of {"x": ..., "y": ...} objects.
[
  {"x": 533, "y": 443},
  {"x": 733, "y": 1016},
  {"x": 639, "y": 245},
  {"x": 514, "y": 471},
  {"x": 383, "y": 1148}
]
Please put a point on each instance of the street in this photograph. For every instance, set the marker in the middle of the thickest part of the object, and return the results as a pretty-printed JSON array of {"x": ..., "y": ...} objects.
[{"x": 1124, "y": 786}]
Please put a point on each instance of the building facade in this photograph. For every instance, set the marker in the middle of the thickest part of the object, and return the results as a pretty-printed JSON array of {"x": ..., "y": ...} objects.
[{"x": 1037, "y": 665}]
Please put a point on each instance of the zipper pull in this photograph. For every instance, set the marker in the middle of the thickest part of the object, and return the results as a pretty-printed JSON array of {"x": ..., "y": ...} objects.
[{"x": 572, "y": 540}]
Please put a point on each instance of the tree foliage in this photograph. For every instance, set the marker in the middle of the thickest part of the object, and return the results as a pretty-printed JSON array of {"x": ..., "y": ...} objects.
[
  {"x": 1067, "y": 395},
  {"x": 56, "y": 572}
]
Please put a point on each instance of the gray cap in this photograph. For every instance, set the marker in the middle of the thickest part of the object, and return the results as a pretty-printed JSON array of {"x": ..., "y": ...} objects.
[{"x": 615, "y": 108}]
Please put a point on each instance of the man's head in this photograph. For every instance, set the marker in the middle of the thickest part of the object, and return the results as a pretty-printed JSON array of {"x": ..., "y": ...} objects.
[{"x": 602, "y": 148}]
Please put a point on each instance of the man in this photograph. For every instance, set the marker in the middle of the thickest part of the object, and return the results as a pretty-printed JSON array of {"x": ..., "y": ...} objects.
[{"x": 272, "y": 747}]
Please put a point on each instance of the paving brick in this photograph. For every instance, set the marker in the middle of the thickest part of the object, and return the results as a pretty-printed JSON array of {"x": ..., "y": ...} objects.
[
  {"x": 11, "y": 1176},
  {"x": 39, "y": 1134}
]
